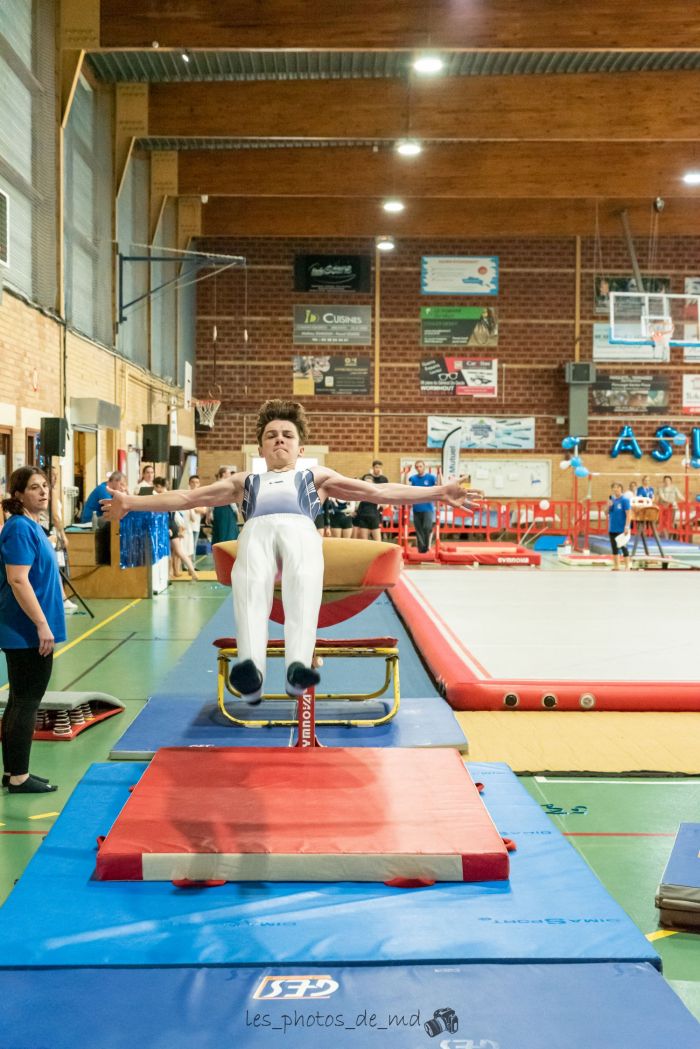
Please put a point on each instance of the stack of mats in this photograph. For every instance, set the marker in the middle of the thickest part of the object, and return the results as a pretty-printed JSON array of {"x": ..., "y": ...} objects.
[
  {"x": 678, "y": 895},
  {"x": 544, "y": 960}
]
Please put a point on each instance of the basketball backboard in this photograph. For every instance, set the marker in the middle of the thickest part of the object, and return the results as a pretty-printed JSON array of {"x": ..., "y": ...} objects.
[{"x": 637, "y": 317}]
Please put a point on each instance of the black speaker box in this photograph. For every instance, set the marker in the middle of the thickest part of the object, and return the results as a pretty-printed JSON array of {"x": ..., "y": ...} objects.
[
  {"x": 176, "y": 455},
  {"x": 155, "y": 442},
  {"x": 53, "y": 437}
]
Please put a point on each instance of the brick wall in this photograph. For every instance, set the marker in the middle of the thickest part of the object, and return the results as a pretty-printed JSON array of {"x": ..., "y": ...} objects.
[{"x": 536, "y": 308}]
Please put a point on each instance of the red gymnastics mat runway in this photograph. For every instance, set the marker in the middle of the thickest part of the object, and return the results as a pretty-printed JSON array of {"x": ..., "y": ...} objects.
[
  {"x": 556, "y": 640},
  {"x": 330, "y": 815}
]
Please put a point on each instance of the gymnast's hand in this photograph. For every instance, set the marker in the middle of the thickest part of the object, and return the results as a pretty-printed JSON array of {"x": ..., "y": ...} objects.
[
  {"x": 114, "y": 509},
  {"x": 457, "y": 494}
]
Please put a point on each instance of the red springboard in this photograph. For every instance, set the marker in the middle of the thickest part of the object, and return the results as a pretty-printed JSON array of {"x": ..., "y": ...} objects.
[{"x": 330, "y": 814}]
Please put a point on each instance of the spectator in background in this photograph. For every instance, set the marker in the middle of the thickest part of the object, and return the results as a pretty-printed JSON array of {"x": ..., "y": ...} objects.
[
  {"x": 145, "y": 482},
  {"x": 193, "y": 517},
  {"x": 378, "y": 472},
  {"x": 423, "y": 513},
  {"x": 31, "y": 622},
  {"x": 619, "y": 520},
  {"x": 368, "y": 517},
  {"x": 644, "y": 488},
  {"x": 669, "y": 498},
  {"x": 176, "y": 532},
  {"x": 224, "y": 519},
  {"x": 340, "y": 519},
  {"x": 92, "y": 504}
]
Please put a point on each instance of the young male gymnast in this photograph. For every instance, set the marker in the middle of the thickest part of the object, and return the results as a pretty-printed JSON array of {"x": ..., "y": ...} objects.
[{"x": 279, "y": 508}]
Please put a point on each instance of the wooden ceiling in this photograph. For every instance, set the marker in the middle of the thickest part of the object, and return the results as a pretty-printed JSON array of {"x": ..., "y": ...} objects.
[{"x": 533, "y": 154}]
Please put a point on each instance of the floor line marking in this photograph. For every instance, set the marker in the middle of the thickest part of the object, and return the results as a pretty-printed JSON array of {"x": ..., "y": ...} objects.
[
  {"x": 660, "y": 934},
  {"x": 44, "y": 832},
  {"x": 43, "y": 815},
  {"x": 117, "y": 645},
  {"x": 88, "y": 633},
  {"x": 616, "y": 833},
  {"x": 624, "y": 781},
  {"x": 93, "y": 630}
]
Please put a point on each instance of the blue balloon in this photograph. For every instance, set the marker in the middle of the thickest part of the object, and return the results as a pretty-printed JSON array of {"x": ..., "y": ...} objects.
[
  {"x": 695, "y": 463},
  {"x": 695, "y": 443},
  {"x": 581, "y": 471},
  {"x": 569, "y": 442},
  {"x": 665, "y": 449},
  {"x": 627, "y": 444},
  {"x": 680, "y": 439},
  {"x": 575, "y": 460}
]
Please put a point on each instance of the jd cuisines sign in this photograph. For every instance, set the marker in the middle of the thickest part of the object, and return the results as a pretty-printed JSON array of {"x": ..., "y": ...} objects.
[
  {"x": 343, "y": 272},
  {"x": 346, "y": 325}
]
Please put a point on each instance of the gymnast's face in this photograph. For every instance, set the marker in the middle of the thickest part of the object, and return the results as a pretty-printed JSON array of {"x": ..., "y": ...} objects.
[{"x": 280, "y": 445}]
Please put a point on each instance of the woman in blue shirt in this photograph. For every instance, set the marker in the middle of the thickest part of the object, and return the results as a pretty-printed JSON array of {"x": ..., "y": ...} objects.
[
  {"x": 619, "y": 518},
  {"x": 645, "y": 489},
  {"x": 31, "y": 622}
]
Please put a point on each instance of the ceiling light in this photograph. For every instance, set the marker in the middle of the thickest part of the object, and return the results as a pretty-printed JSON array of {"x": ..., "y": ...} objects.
[
  {"x": 409, "y": 148},
  {"x": 692, "y": 178},
  {"x": 393, "y": 206},
  {"x": 428, "y": 64},
  {"x": 385, "y": 244},
  {"x": 185, "y": 57}
]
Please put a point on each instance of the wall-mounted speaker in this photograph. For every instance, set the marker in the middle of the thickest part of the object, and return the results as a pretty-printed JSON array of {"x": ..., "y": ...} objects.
[
  {"x": 155, "y": 443},
  {"x": 53, "y": 437},
  {"x": 176, "y": 455}
]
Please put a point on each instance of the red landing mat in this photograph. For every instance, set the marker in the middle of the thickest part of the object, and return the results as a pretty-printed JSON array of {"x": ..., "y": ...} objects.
[{"x": 340, "y": 814}]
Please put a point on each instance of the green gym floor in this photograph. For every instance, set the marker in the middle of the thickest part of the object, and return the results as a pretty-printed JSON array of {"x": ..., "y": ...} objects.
[{"x": 624, "y": 827}]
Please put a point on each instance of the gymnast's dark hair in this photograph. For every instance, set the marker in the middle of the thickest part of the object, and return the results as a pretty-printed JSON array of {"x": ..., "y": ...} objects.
[
  {"x": 19, "y": 479},
  {"x": 288, "y": 411}
]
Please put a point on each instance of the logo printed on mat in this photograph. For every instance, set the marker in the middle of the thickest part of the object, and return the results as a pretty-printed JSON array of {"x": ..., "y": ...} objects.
[{"x": 315, "y": 986}]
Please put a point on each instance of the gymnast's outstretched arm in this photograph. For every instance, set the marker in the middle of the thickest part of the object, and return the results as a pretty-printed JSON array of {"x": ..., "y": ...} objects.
[
  {"x": 227, "y": 490},
  {"x": 330, "y": 483}
]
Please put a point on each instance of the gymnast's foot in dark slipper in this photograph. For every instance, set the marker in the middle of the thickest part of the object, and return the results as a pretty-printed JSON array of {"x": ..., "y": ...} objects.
[
  {"x": 6, "y": 779},
  {"x": 247, "y": 679},
  {"x": 299, "y": 678},
  {"x": 31, "y": 785}
]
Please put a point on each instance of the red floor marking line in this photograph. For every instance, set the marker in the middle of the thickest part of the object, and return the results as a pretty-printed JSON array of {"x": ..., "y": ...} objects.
[
  {"x": 615, "y": 834},
  {"x": 24, "y": 832}
]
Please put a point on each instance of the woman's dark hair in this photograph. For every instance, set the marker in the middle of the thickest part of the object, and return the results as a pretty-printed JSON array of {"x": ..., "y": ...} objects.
[
  {"x": 19, "y": 479},
  {"x": 288, "y": 411}
]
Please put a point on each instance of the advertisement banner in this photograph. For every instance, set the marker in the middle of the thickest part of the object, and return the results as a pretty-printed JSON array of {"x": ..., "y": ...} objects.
[
  {"x": 459, "y": 376},
  {"x": 629, "y": 394},
  {"x": 459, "y": 275},
  {"x": 483, "y": 432},
  {"x": 602, "y": 286},
  {"x": 643, "y": 352},
  {"x": 323, "y": 272},
  {"x": 333, "y": 376},
  {"x": 458, "y": 326},
  {"x": 349, "y": 325},
  {"x": 691, "y": 322},
  {"x": 691, "y": 394}
]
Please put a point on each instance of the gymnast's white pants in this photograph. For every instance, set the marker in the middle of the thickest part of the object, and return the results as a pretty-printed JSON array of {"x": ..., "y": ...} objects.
[{"x": 290, "y": 543}]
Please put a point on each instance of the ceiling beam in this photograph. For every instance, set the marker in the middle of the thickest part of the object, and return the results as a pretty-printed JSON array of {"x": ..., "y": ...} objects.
[
  {"x": 412, "y": 24},
  {"x": 507, "y": 169},
  {"x": 644, "y": 106},
  {"x": 344, "y": 217}
]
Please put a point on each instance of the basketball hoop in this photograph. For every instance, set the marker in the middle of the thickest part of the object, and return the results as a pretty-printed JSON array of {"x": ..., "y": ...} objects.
[
  {"x": 661, "y": 338},
  {"x": 206, "y": 412}
]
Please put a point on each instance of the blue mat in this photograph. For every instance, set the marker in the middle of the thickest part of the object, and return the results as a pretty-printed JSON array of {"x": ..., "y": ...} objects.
[
  {"x": 183, "y": 710},
  {"x": 600, "y": 544},
  {"x": 183, "y": 721},
  {"x": 486, "y": 1007},
  {"x": 552, "y": 910}
]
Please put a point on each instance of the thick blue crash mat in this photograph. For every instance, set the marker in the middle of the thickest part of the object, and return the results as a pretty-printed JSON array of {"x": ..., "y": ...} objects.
[
  {"x": 553, "y": 909},
  {"x": 577, "y": 1006}
]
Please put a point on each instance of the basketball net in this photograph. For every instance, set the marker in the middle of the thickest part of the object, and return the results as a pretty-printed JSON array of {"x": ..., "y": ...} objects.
[
  {"x": 661, "y": 338},
  {"x": 206, "y": 412}
]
